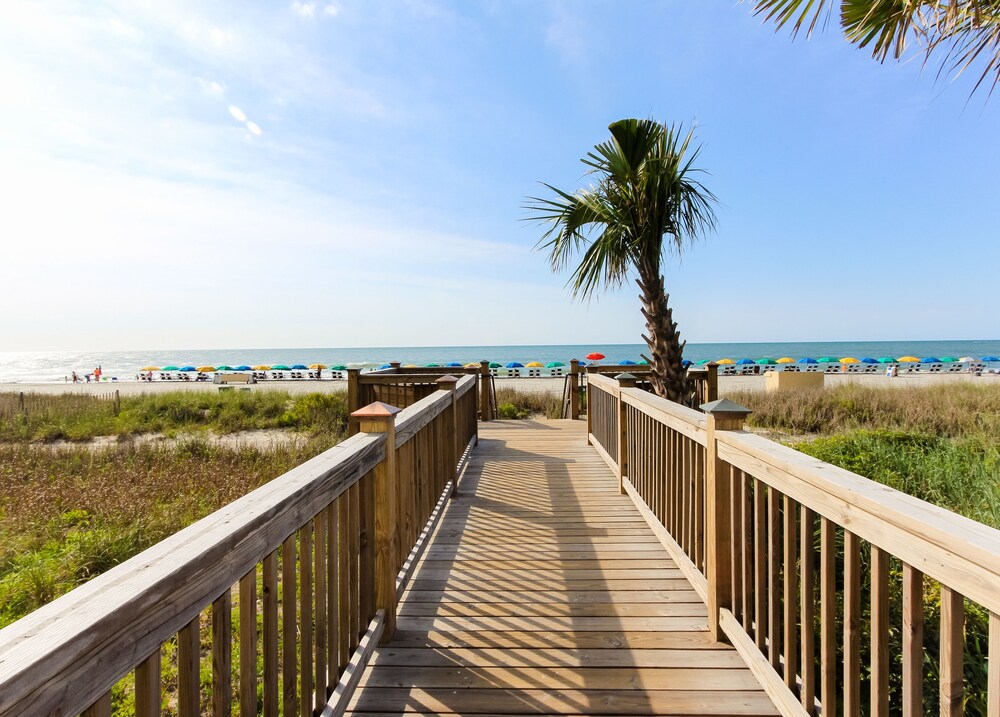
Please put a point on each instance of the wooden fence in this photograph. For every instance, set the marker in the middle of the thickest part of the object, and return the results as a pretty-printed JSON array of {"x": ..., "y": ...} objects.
[
  {"x": 705, "y": 382},
  {"x": 309, "y": 566},
  {"x": 841, "y": 594},
  {"x": 24, "y": 404}
]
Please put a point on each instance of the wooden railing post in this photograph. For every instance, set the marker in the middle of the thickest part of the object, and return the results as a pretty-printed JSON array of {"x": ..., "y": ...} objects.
[
  {"x": 450, "y": 383},
  {"x": 353, "y": 399},
  {"x": 723, "y": 415},
  {"x": 574, "y": 389},
  {"x": 712, "y": 382},
  {"x": 381, "y": 418},
  {"x": 590, "y": 413},
  {"x": 625, "y": 380},
  {"x": 485, "y": 409},
  {"x": 394, "y": 365}
]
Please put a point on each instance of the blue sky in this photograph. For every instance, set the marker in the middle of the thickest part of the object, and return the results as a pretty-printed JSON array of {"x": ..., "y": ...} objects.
[{"x": 352, "y": 173}]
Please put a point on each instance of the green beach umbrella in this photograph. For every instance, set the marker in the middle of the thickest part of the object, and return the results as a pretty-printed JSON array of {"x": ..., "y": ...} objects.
[
  {"x": 643, "y": 362},
  {"x": 280, "y": 367},
  {"x": 170, "y": 368},
  {"x": 828, "y": 359},
  {"x": 223, "y": 367},
  {"x": 432, "y": 365},
  {"x": 554, "y": 364},
  {"x": 767, "y": 362},
  {"x": 494, "y": 364},
  {"x": 949, "y": 359},
  {"x": 338, "y": 367},
  {"x": 887, "y": 359},
  {"x": 704, "y": 361}
]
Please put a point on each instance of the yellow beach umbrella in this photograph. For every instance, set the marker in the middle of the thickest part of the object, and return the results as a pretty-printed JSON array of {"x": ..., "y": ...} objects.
[
  {"x": 318, "y": 365},
  {"x": 785, "y": 359},
  {"x": 411, "y": 365},
  {"x": 725, "y": 360},
  {"x": 262, "y": 367},
  {"x": 535, "y": 364},
  {"x": 908, "y": 359},
  {"x": 150, "y": 368},
  {"x": 849, "y": 359},
  {"x": 472, "y": 365},
  {"x": 206, "y": 369}
]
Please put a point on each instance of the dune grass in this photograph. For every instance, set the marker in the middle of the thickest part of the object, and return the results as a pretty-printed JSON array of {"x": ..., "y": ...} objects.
[{"x": 67, "y": 418}]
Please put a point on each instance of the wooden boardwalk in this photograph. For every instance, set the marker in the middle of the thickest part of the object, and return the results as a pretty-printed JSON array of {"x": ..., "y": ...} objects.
[{"x": 543, "y": 591}]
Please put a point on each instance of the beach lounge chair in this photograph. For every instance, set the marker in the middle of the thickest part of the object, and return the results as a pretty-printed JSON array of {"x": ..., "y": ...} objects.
[
  {"x": 556, "y": 371},
  {"x": 790, "y": 367},
  {"x": 534, "y": 372},
  {"x": 513, "y": 373},
  {"x": 855, "y": 367}
]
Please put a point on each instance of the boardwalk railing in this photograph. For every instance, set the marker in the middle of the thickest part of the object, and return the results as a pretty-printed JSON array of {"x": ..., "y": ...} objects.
[
  {"x": 840, "y": 593},
  {"x": 300, "y": 577}
]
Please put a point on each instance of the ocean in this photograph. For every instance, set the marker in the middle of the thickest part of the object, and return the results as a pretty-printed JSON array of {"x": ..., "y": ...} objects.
[{"x": 55, "y": 366}]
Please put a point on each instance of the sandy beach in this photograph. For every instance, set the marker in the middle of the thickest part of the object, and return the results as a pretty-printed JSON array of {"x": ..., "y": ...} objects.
[{"x": 534, "y": 385}]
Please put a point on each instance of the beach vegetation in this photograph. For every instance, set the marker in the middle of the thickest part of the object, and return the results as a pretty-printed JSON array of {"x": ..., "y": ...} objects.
[
  {"x": 515, "y": 404},
  {"x": 961, "y": 32},
  {"x": 646, "y": 201}
]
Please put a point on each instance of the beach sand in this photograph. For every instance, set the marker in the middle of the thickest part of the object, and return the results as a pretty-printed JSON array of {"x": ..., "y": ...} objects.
[{"x": 727, "y": 384}]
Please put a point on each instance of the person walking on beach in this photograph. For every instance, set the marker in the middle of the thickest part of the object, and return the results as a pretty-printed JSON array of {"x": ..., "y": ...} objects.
[{"x": 76, "y": 379}]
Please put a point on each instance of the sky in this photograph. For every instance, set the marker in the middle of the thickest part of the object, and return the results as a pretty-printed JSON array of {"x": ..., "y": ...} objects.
[{"x": 354, "y": 173}]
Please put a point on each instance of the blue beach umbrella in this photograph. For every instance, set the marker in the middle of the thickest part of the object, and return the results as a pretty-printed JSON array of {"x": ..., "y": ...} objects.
[
  {"x": 515, "y": 364},
  {"x": 930, "y": 359},
  {"x": 299, "y": 367},
  {"x": 869, "y": 359},
  {"x": 685, "y": 363},
  {"x": 990, "y": 359},
  {"x": 243, "y": 368},
  {"x": 808, "y": 360},
  {"x": 385, "y": 365},
  {"x": 187, "y": 368},
  {"x": 745, "y": 362},
  {"x": 627, "y": 362},
  {"x": 453, "y": 364}
]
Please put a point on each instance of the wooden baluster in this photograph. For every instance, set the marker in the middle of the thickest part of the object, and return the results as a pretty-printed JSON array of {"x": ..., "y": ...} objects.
[
  {"x": 248, "y": 644},
  {"x": 760, "y": 586},
  {"x": 344, "y": 592},
  {"x": 147, "y": 686},
  {"x": 305, "y": 621},
  {"x": 879, "y": 683},
  {"x": 353, "y": 398},
  {"x": 852, "y": 624},
  {"x": 319, "y": 574},
  {"x": 271, "y": 689},
  {"x": 736, "y": 531},
  {"x": 807, "y": 551},
  {"x": 723, "y": 415},
  {"x": 289, "y": 628},
  {"x": 774, "y": 578},
  {"x": 699, "y": 506},
  {"x": 100, "y": 708},
  {"x": 222, "y": 655},
  {"x": 332, "y": 598},
  {"x": 952, "y": 658},
  {"x": 574, "y": 390},
  {"x": 993, "y": 675},
  {"x": 354, "y": 556},
  {"x": 913, "y": 642},
  {"x": 625, "y": 381},
  {"x": 188, "y": 672},
  {"x": 748, "y": 568},
  {"x": 450, "y": 442},
  {"x": 828, "y": 611},
  {"x": 790, "y": 584}
]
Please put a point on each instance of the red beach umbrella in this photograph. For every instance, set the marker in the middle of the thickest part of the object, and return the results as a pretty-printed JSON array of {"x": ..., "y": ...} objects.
[{"x": 594, "y": 356}]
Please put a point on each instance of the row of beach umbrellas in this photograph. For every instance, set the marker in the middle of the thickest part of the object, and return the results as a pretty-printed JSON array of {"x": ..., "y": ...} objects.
[
  {"x": 851, "y": 359},
  {"x": 212, "y": 369}
]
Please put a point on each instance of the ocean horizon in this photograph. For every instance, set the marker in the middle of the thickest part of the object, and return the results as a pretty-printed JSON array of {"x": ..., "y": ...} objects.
[{"x": 56, "y": 366}]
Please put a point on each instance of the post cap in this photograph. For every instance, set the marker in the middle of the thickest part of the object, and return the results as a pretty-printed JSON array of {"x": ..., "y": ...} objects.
[
  {"x": 625, "y": 377},
  {"x": 376, "y": 411},
  {"x": 395, "y": 364},
  {"x": 724, "y": 405},
  {"x": 447, "y": 382}
]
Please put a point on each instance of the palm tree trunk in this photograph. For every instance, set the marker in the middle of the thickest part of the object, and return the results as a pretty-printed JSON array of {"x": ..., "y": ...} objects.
[{"x": 669, "y": 378}]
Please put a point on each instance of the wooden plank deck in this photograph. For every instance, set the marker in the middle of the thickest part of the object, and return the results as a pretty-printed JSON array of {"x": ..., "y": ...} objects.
[{"x": 543, "y": 591}]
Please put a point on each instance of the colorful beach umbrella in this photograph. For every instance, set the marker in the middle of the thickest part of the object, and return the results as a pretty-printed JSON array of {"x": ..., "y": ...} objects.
[
  {"x": 808, "y": 359},
  {"x": 725, "y": 361},
  {"x": 223, "y": 367},
  {"x": 745, "y": 362},
  {"x": 494, "y": 364},
  {"x": 338, "y": 367},
  {"x": 385, "y": 365},
  {"x": 887, "y": 359},
  {"x": 685, "y": 363},
  {"x": 535, "y": 364},
  {"x": 432, "y": 365},
  {"x": 595, "y": 356},
  {"x": 554, "y": 364},
  {"x": 472, "y": 365},
  {"x": 262, "y": 367},
  {"x": 908, "y": 359},
  {"x": 849, "y": 359},
  {"x": 869, "y": 359},
  {"x": 411, "y": 365},
  {"x": 949, "y": 359},
  {"x": 170, "y": 368},
  {"x": 785, "y": 359},
  {"x": 187, "y": 369},
  {"x": 967, "y": 359},
  {"x": 280, "y": 367},
  {"x": 644, "y": 362},
  {"x": 319, "y": 366},
  {"x": 299, "y": 367},
  {"x": 206, "y": 369},
  {"x": 766, "y": 362},
  {"x": 244, "y": 367},
  {"x": 828, "y": 359},
  {"x": 930, "y": 359},
  {"x": 515, "y": 364},
  {"x": 453, "y": 364},
  {"x": 990, "y": 359},
  {"x": 627, "y": 362},
  {"x": 149, "y": 368}
]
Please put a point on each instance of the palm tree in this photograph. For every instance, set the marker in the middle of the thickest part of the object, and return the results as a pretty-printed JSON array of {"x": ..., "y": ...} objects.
[
  {"x": 646, "y": 201},
  {"x": 964, "y": 30}
]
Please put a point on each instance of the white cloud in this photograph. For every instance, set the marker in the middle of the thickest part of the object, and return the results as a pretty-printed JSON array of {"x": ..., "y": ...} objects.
[
  {"x": 331, "y": 9},
  {"x": 238, "y": 114},
  {"x": 254, "y": 128},
  {"x": 304, "y": 9},
  {"x": 122, "y": 28},
  {"x": 211, "y": 87},
  {"x": 221, "y": 37}
]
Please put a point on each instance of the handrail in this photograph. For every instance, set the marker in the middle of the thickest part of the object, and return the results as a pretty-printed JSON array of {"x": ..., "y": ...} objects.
[
  {"x": 783, "y": 547},
  {"x": 319, "y": 522}
]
